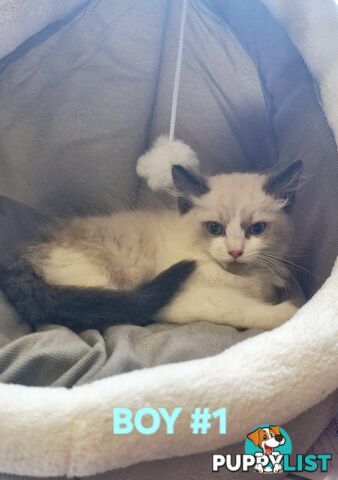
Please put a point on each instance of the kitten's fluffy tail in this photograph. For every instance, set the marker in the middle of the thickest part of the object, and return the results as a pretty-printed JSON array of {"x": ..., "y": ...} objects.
[{"x": 80, "y": 308}]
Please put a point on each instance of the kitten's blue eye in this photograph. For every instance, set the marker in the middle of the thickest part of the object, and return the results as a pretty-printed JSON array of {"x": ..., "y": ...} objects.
[
  {"x": 214, "y": 228},
  {"x": 257, "y": 228}
]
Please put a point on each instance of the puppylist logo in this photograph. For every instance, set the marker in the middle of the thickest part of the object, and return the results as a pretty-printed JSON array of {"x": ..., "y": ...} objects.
[
  {"x": 267, "y": 450},
  {"x": 268, "y": 444}
]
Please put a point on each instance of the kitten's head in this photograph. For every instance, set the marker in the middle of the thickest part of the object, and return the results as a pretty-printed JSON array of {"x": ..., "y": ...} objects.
[{"x": 240, "y": 219}]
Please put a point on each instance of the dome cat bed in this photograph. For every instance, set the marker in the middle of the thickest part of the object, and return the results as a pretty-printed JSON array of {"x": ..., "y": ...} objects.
[{"x": 85, "y": 88}]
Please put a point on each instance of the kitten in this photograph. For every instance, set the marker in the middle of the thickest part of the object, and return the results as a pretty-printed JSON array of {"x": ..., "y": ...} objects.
[
  {"x": 220, "y": 257},
  {"x": 241, "y": 225}
]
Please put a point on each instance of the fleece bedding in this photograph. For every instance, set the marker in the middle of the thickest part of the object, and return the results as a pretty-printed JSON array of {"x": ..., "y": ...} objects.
[{"x": 85, "y": 88}]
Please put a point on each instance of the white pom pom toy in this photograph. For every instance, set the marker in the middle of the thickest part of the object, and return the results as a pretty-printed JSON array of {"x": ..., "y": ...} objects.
[{"x": 155, "y": 165}]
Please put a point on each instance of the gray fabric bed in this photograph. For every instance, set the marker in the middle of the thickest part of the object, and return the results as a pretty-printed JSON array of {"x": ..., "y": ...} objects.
[{"x": 82, "y": 99}]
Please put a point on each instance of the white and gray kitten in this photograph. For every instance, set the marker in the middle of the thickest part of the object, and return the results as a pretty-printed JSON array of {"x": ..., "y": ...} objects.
[{"x": 220, "y": 257}]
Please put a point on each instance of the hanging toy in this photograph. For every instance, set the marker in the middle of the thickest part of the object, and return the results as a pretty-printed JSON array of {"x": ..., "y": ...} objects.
[{"x": 155, "y": 165}]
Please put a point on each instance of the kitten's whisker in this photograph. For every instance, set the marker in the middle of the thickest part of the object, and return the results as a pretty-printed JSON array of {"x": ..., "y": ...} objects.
[
  {"x": 283, "y": 271},
  {"x": 274, "y": 264},
  {"x": 282, "y": 259},
  {"x": 263, "y": 266},
  {"x": 272, "y": 267}
]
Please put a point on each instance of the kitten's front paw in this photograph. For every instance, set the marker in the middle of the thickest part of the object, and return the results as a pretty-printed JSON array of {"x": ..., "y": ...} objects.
[{"x": 283, "y": 312}]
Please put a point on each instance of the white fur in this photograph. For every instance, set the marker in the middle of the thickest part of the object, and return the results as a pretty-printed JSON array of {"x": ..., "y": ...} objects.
[
  {"x": 222, "y": 305},
  {"x": 155, "y": 165}
]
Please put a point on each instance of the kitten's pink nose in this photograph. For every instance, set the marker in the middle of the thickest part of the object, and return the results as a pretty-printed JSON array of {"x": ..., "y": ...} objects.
[{"x": 235, "y": 253}]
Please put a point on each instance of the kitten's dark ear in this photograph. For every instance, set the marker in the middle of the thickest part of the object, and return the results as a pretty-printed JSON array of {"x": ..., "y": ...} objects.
[
  {"x": 284, "y": 185},
  {"x": 187, "y": 183}
]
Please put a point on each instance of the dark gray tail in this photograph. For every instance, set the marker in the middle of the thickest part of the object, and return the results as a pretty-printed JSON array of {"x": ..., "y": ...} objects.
[{"x": 80, "y": 308}]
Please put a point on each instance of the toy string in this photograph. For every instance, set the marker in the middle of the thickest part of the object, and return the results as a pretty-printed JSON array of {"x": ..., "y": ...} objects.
[{"x": 178, "y": 69}]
